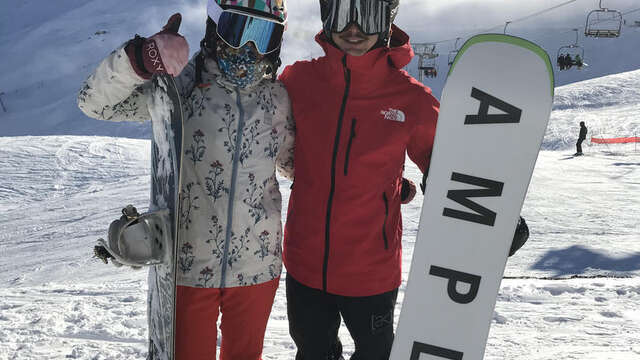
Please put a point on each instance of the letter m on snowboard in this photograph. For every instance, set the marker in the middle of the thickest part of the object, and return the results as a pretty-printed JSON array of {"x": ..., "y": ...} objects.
[{"x": 479, "y": 214}]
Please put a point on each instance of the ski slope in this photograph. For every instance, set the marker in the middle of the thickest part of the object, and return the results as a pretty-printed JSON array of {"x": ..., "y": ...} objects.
[
  {"x": 49, "y": 47},
  {"x": 572, "y": 292}
]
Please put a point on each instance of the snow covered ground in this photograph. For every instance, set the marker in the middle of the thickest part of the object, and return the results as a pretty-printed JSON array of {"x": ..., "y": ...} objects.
[{"x": 573, "y": 291}]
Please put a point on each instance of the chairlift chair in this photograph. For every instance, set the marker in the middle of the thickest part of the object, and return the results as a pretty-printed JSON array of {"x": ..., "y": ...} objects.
[
  {"x": 428, "y": 68},
  {"x": 427, "y": 56},
  {"x": 572, "y": 50},
  {"x": 603, "y": 23}
]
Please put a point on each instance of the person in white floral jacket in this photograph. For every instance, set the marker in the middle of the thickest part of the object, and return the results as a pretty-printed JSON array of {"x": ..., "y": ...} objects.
[{"x": 237, "y": 130}]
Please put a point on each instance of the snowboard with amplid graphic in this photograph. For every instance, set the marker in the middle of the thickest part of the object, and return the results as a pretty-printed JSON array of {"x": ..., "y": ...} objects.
[{"x": 493, "y": 115}]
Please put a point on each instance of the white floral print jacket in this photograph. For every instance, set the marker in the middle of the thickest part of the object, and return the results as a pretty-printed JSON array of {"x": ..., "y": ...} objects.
[{"x": 230, "y": 213}]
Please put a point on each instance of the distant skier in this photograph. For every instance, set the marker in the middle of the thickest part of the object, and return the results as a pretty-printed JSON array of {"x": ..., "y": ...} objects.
[{"x": 581, "y": 138}]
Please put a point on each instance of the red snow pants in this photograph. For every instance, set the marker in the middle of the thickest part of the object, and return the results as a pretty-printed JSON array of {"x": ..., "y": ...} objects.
[{"x": 245, "y": 311}]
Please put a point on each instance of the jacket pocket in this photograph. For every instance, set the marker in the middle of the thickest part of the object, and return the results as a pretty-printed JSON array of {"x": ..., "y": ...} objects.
[
  {"x": 384, "y": 223},
  {"x": 352, "y": 135}
]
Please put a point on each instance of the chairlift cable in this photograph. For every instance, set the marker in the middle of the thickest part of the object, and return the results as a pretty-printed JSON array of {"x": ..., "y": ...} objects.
[
  {"x": 531, "y": 15},
  {"x": 526, "y": 18},
  {"x": 540, "y": 12}
]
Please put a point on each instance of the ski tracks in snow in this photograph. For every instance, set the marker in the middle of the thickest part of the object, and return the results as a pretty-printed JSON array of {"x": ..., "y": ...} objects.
[{"x": 59, "y": 194}]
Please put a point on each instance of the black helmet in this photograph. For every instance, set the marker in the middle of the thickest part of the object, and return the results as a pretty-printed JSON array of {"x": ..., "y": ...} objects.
[{"x": 371, "y": 16}]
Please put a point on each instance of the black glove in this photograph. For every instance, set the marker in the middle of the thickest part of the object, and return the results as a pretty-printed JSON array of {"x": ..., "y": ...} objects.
[
  {"x": 408, "y": 191},
  {"x": 520, "y": 236}
]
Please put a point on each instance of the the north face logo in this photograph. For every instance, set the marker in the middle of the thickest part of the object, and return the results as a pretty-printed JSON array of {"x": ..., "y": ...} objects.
[{"x": 393, "y": 115}]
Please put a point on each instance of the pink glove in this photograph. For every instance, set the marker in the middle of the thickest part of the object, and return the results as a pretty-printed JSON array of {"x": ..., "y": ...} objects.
[
  {"x": 408, "y": 191},
  {"x": 165, "y": 52}
]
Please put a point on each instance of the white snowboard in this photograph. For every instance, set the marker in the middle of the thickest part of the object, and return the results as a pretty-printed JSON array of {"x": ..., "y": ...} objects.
[{"x": 494, "y": 111}]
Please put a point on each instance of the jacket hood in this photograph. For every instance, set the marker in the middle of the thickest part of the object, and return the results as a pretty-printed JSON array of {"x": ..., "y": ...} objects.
[{"x": 398, "y": 54}]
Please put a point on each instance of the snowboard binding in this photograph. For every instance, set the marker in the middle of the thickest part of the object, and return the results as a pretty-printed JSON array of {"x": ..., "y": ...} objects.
[{"x": 136, "y": 239}]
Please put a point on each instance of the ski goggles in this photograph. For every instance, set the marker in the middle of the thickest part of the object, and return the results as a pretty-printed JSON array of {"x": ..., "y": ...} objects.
[
  {"x": 236, "y": 29},
  {"x": 371, "y": 16}
]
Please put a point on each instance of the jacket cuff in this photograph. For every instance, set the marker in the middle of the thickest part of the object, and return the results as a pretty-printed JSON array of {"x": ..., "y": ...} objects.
[{"x": 134, "y": 52}]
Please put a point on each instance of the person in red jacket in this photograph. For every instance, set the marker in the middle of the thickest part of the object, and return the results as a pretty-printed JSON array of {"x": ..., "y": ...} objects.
[{"x": 357, "y": 115}]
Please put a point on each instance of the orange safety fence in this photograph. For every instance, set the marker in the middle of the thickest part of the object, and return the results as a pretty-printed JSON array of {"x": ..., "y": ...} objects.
[{"x": 623, "y": 140}]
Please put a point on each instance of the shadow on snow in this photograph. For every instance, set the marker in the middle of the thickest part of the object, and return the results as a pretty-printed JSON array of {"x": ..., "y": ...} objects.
[{"x": 578, "y": 260}]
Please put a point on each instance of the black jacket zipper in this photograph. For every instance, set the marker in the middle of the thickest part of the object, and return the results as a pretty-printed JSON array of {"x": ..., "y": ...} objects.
[
  {"x": 384, "y": 224},
  {"x": 351, "y": 136},
  {"x": 336, "y": 144}
]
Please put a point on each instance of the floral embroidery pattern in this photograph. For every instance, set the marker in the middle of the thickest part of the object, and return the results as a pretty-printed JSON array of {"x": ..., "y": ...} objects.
[
  {"x": 253, "y": 198},
  {"x": 285, "y": 161},
  {"x": 265, "y": 100},
  {"x": 249, "y": 135},
  {"x": 271, "y": 150},
  {"x": 206, "y": 275},
  {"x": 196, "y": 151},
  {"x": 263, "y": 240},
  {"x": 277, "y": 252},
  {"x": 127, "y": 109},
  {"x": 199, "y": 99},
  {"x": 187, "y": 205},
  {"x": 186, "y": 259},
  {"x": 228, "y": 120},
  {"x": 248, "y": 280},
  {"x": 216, "y": 231},
  {"x": 237, "y": 247},
  {"x": 248, "y": 140},
  {"x": 214, "y": 185}
]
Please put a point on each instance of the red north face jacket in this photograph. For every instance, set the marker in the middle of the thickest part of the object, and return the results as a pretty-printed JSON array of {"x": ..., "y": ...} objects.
[{"x": 356, "y": 118}]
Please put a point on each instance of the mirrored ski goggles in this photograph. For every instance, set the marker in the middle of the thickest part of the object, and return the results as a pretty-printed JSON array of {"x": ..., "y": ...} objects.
[
  {"x": 371, "y": 16},
  {"x": 236, "y": 29}
]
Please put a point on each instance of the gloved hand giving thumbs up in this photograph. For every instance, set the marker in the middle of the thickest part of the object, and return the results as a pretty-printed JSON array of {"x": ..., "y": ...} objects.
[{"x": 164, "y": 52}]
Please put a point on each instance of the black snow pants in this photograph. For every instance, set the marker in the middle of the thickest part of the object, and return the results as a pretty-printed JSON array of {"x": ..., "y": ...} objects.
[
  {"x": 579, "y": 146},
  {"x": 314, "y": 320}
]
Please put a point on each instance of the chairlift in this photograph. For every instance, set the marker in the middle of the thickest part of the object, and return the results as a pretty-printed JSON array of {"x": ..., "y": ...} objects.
[
  {"x": 427, "y": 56},
  {"x": 453, "y": 53},
  {"x": 428, "y": 67},
  {"x": 603, "y": 23},
  {"x": 575, "y": 54}
]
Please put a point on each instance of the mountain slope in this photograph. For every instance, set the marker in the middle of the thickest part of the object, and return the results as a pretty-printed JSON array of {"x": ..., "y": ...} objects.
[
  {"x": 49, "y": 48},
  {"x": 608, "y": 105}
]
